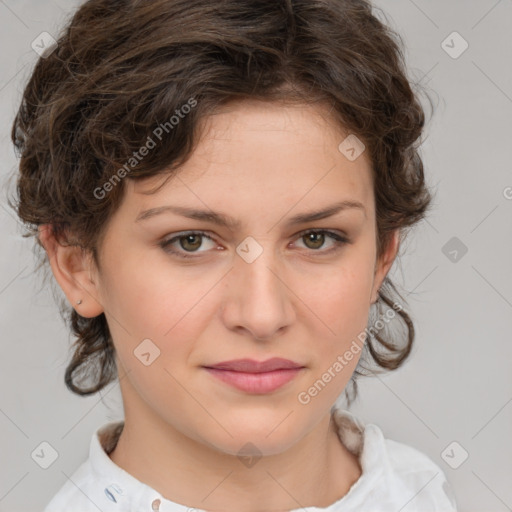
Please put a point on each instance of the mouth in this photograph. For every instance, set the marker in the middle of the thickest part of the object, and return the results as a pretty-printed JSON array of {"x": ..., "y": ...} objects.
[
  {"x": 258, "y": 383},
  {"x": 255, "y": 377}
]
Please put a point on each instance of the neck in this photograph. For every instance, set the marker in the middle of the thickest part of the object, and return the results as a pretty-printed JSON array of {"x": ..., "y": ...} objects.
[{"x": 316, "y": 471}]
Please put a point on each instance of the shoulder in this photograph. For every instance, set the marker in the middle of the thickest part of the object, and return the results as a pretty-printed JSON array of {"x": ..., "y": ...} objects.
[
  {"x": 394, "y": 474},
  {"x": 76, "y": 493},
  {"x": 412, "y": 480},
  {"x": 92, "y": 486},
  {"x": 422, "y": 477}
]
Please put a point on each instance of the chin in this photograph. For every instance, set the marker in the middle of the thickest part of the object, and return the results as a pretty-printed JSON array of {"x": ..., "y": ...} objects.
[{"x": 263, "y": 434}]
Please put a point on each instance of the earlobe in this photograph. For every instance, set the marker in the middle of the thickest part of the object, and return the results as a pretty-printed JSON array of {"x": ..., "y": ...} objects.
[
  {"x": 384, "y": 264},
  {"x": 71, "y": 267}
]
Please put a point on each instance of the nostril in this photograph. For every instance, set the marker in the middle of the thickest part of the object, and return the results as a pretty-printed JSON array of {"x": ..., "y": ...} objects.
[{"x": 155, "y": 505}]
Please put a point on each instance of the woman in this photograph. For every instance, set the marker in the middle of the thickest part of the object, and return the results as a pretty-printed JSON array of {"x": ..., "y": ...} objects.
[{"x": 221, "y": 190}]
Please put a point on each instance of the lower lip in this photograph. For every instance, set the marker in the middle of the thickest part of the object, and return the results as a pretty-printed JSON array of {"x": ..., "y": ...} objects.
[{"x": 264, "y": 382}]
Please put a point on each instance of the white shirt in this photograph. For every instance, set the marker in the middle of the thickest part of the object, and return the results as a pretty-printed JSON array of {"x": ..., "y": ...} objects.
[{"x": 395, "y": 477}]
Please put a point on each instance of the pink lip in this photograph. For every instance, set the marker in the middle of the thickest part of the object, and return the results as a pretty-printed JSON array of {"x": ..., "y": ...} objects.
[
  {"x": 252, "y": 366},
  {"x": 253, "y": 376}
]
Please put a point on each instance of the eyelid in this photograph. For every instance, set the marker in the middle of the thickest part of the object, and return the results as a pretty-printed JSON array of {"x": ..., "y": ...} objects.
[{"x": 338, "y": 232}]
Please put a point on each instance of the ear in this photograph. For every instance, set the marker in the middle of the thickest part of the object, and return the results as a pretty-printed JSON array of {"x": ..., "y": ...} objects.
[
  {"x": 73, "y": 269},
  {"x": 384, "y": 264}
]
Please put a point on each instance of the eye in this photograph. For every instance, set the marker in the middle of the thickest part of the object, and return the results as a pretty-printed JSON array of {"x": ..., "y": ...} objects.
[
  {"x": 189, "y": 242},
  {"x": 315, "y": 239}
]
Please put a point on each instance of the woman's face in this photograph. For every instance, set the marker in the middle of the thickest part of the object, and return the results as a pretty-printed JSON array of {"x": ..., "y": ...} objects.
[{"x": 257, "y": 289}]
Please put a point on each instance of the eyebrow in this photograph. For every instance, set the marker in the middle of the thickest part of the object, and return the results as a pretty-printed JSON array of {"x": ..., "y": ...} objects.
[{"x": 221, "y": 219}]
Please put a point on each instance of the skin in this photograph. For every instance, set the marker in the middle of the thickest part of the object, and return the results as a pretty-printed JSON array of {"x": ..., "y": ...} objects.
[{"x": 261, "y": 164}]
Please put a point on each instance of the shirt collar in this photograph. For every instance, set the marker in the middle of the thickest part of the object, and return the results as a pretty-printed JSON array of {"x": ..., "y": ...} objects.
[
  {"x": 366, "y": 442},
  {"x": 118, "y": 485}
]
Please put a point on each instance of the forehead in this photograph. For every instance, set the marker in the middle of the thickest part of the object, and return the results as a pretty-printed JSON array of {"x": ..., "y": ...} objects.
[{"x": 257, "y": 156}]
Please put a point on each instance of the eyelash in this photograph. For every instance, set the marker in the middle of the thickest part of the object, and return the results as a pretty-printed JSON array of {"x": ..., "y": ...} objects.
[{"x": 340, "y": 241}]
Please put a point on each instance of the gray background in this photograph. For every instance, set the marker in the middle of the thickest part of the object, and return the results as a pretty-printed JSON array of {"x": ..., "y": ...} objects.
[{"x": 457, "y": 386}]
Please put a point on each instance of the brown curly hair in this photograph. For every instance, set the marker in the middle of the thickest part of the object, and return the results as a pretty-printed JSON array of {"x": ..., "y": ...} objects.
[{"x": 120, "y": 67}]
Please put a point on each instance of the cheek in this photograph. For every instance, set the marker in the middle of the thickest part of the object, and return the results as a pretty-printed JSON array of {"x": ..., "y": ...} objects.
[
  {"x": 341, "y": 303},
  {"x": 340, "y": 306},
  {"x": 152, "y": 299},
  {"x": 341, "y": 297}
]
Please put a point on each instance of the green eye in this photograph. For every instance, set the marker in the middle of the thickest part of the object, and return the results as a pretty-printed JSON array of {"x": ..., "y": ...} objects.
[{"x": 190, "y": 242}]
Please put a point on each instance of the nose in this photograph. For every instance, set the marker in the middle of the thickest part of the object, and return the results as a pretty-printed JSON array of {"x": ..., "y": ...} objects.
[{"x": 258, "y": 298}]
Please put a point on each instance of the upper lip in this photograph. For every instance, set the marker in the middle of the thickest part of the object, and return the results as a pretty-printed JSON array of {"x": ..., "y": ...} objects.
[{"x": 252, "y": 366}]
